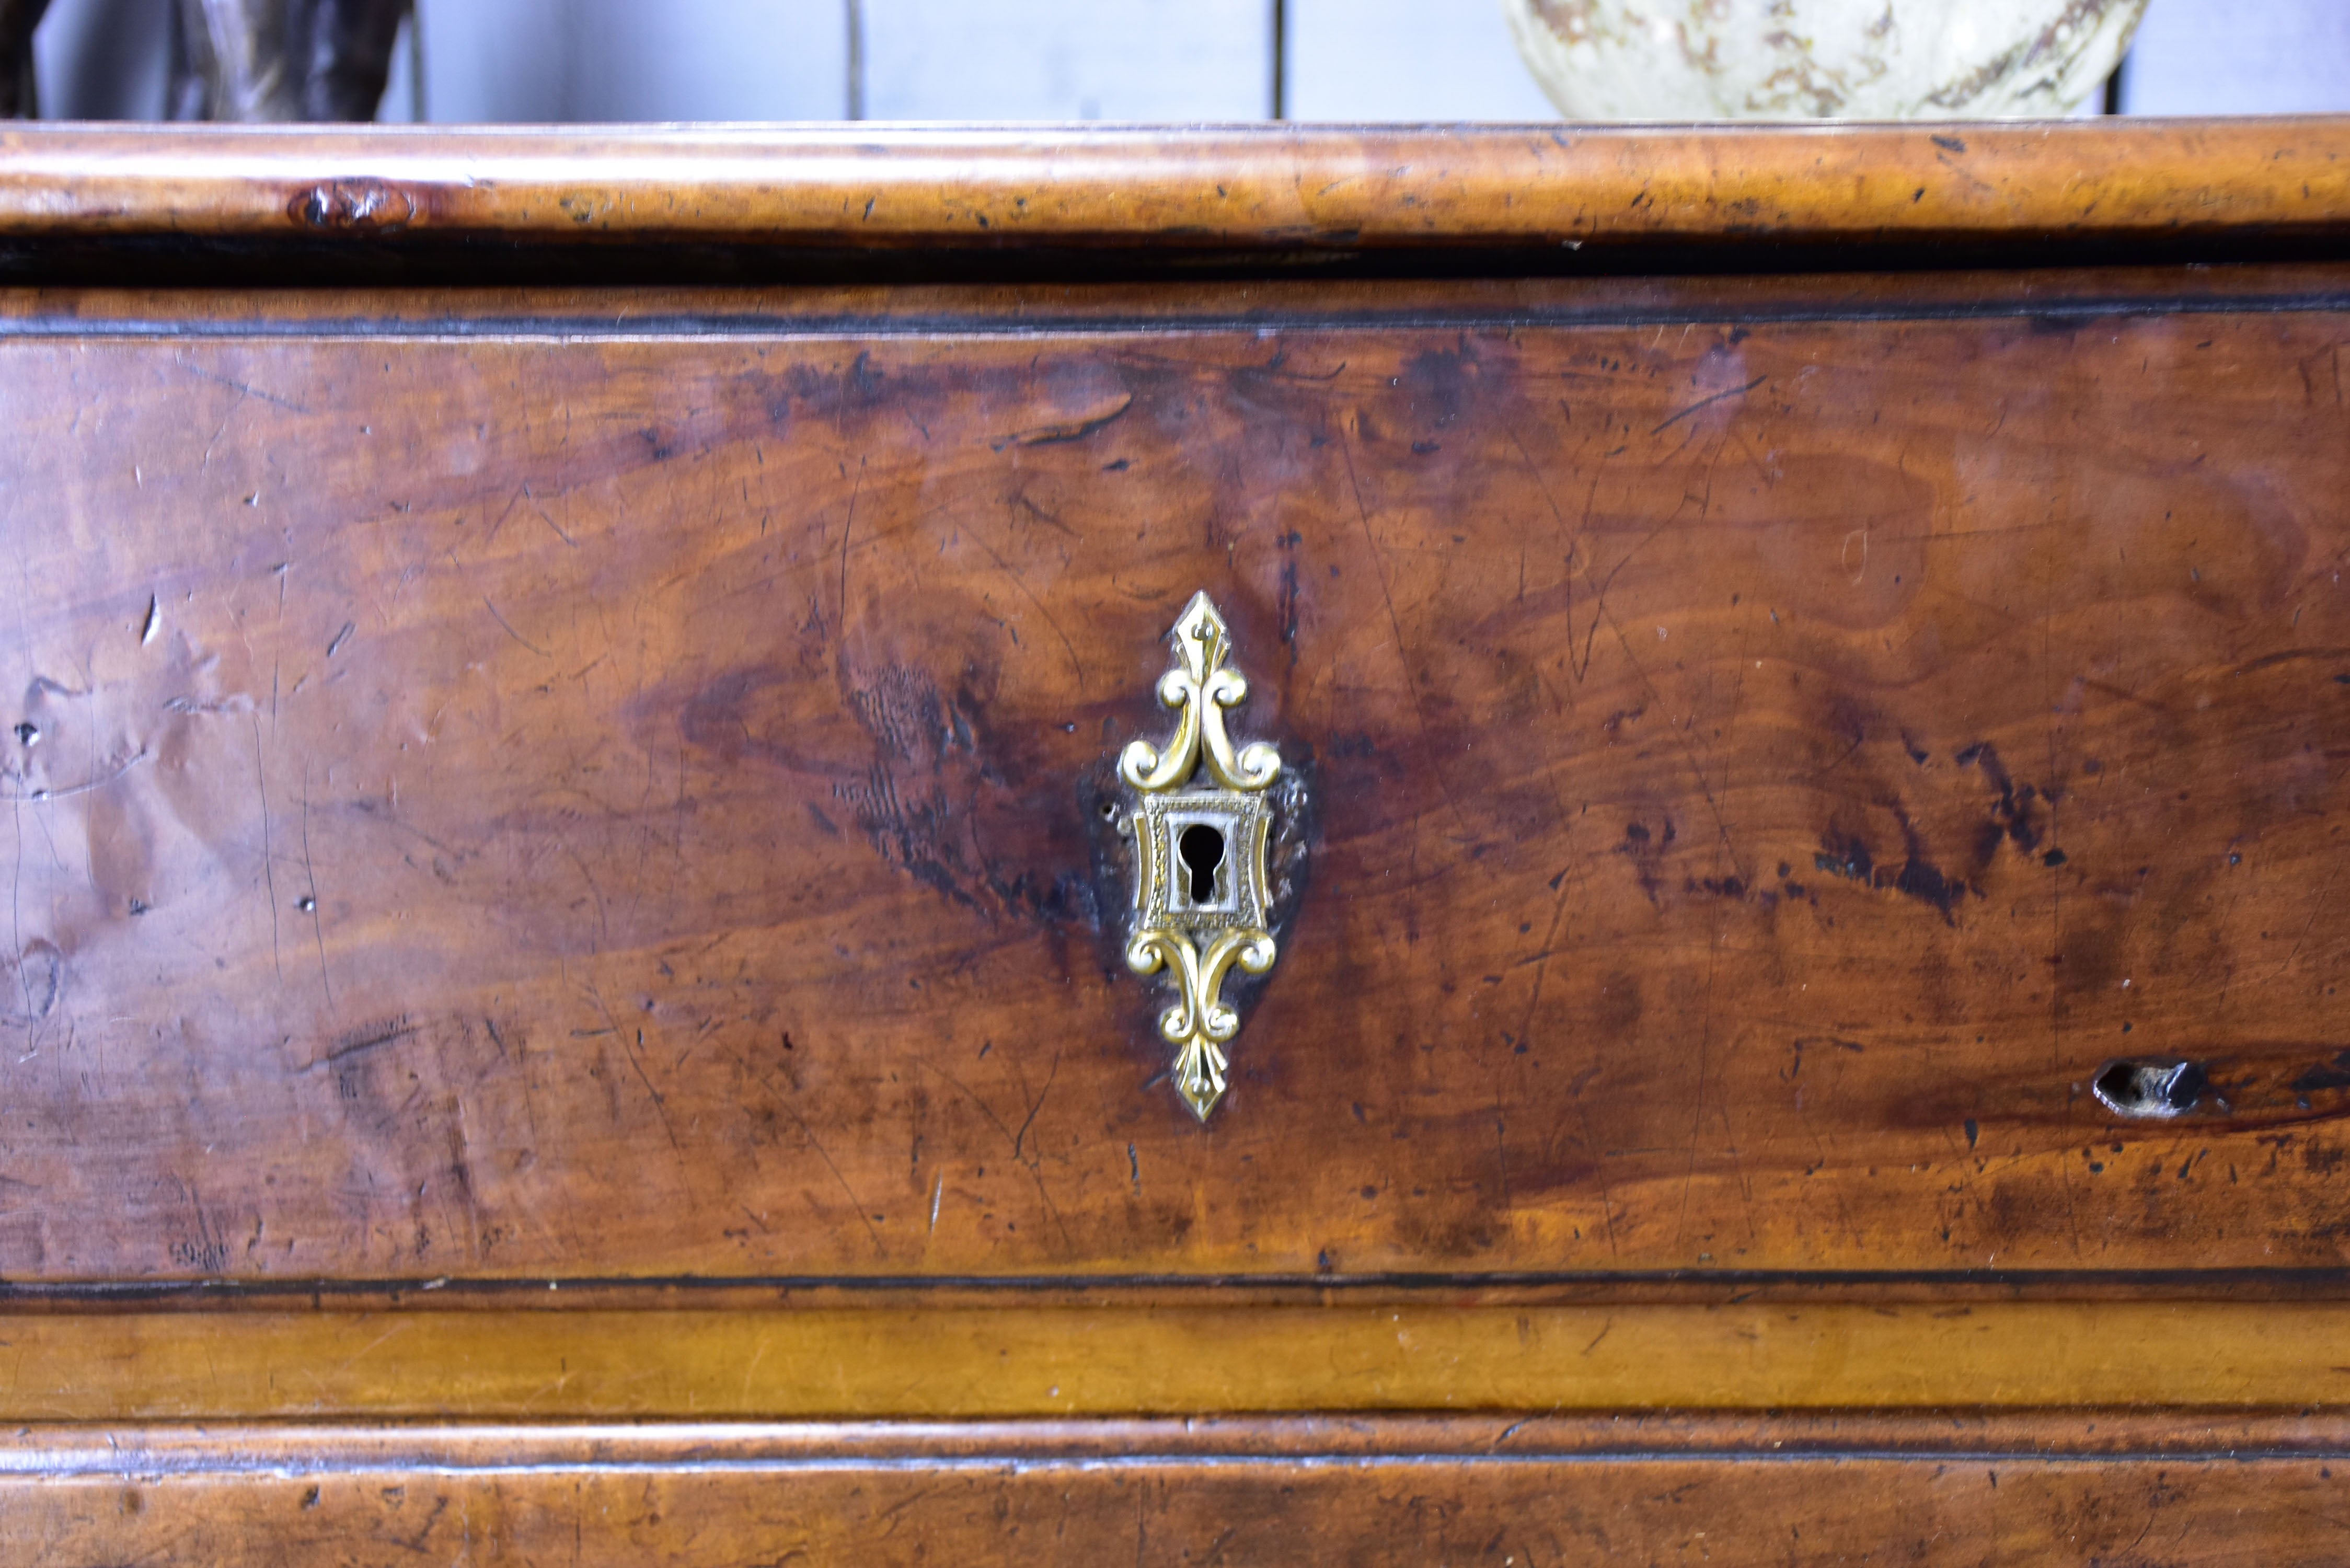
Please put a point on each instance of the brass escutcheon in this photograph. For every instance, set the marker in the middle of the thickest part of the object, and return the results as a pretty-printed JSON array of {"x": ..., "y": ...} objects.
[{"x": 1201, "y": 900}]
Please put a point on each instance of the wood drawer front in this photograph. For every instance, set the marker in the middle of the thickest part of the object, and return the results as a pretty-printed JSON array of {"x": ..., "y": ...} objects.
[{"x": 594, "y": 801}]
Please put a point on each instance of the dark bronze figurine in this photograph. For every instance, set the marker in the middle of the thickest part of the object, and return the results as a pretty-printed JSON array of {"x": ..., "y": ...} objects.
[
  {"x": 277, "y": 60},
  {"x": 18, "y": 101},
  {"x": 244, "y": 59}
]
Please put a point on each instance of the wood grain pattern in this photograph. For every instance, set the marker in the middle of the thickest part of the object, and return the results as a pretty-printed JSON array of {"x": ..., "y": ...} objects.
[
  {"x": 550, "y": 877},
  {"x": 1274, "y": 187},
  {"x": 158, "y": 1450},
  {"x": 2079, "y": 294},
  {"x": 607, "y": 806},
  {"x": 796, "y": 1362},
  {"x": 2261, "y": 1492}
]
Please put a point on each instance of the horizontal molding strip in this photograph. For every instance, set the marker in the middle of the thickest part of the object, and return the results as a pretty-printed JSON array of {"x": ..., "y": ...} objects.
[
  {"x": 301, "y": 1450},
  {"x": 869, "y": 186},
  {"x": 1610, "y": 1288},
  {"x": 939, "y": 311},
  {"x": 517, "y": 330},
  {"x": 1076, "y": 1361},
  {"x": 1730, "y": 1492}
]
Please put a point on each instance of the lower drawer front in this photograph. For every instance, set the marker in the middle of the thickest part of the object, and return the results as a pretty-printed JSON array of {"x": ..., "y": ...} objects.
[{"x": 575, "y": 803}]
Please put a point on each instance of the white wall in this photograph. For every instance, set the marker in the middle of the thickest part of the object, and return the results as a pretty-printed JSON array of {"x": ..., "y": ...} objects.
[
  {"x": 2239, "y": 56},
  {"x": 1069, "y": 59},
  {"x": 1405, "y": 59},
  {"x": 558, "y": 60},
  {"x": 550, "y": 60}
]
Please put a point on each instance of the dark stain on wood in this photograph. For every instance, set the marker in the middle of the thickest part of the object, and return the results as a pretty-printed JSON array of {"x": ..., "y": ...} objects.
[{"x": 790, "y": 728}]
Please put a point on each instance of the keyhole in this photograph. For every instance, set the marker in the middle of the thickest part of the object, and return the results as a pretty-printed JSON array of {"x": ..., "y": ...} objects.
[
  {"x": 2151, "y": 1089},
  {"x": 1202, "y": 848}
]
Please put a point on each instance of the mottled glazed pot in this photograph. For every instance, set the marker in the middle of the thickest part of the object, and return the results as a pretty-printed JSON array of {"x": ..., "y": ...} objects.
[{"x": 1821, "y": 60}]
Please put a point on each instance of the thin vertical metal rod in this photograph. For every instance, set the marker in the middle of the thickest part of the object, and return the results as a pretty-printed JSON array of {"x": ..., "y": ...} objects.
[
  {"x": 1280, "y": 59},
  {"x": 416, "y": 99}
]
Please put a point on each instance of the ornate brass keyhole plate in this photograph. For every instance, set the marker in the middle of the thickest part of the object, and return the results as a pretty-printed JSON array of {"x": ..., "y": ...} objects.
[{"x": 1200, "y": 819}]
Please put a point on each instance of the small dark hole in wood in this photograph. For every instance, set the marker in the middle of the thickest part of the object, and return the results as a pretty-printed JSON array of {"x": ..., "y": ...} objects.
[
  {"x": 2150, "y": 1089},
  {"x": 1202, "y": 848},
  {"x": 28, "y": 732}
]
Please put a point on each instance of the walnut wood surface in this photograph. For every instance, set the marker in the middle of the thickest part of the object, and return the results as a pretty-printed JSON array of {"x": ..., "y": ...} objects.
[
  {"x": 528, "y": 807},
  {"x": 1273, "y": 187},
  {"x": 794, "y": 1362},
  {"x": 1952, "y": 1491},
  {"x": 605, "y": 803}
]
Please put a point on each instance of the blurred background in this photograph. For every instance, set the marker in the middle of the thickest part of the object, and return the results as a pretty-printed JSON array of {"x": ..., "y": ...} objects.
[{"x": 575, "y": 60}]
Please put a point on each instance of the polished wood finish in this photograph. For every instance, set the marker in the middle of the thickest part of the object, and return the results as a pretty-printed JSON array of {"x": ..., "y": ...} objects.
[
  {"x": 1271, "y": 187},
  {"x": 864, "y": 1363},
  {"x": 594, "y": 803},
  {"x": 2042, "y": 293},
  {"x": 1940, "y": 1490},
  {"x": 553, "y": 876}
]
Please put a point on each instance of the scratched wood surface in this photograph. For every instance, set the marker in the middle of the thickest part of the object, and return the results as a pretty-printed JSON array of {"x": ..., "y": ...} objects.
[
  {"x": 608, "y": 803},
  {"x": 435, "y": 1359},
  {"x": 1541, "y": 193},
  {"x": 1953, "y": 1492}
]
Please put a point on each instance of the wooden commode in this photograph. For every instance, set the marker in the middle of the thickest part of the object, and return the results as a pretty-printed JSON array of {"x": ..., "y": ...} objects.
[{"x": 1504, "y": 845}]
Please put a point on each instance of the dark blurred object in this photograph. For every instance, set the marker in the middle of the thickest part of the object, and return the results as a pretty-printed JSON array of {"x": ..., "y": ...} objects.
[
  {"x": 18, "y": 99},
  {"x": 279, "y": 60}
]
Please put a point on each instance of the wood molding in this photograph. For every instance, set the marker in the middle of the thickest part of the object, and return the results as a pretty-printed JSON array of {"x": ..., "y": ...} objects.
[
  {"x": 1034, "y": 1362},
  {"x": 93, "y": 1450},
  {"x": 982, "y": 310},
  {"x": 1279, "y": 187},
  {"x": 2094, "y": 1486}
]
